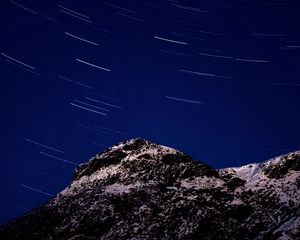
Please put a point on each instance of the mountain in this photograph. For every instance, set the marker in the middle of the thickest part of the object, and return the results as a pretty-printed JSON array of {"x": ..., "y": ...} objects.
[{"x": 141, "y": 190}]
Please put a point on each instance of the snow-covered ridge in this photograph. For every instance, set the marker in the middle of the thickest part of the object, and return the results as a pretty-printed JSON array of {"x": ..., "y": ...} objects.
[
  {"x": 256, "y": 171},
  {"x": 281, "y": 173}
]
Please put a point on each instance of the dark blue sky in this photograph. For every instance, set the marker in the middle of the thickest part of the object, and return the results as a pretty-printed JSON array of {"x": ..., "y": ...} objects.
[{"x": 216, "y": 79}]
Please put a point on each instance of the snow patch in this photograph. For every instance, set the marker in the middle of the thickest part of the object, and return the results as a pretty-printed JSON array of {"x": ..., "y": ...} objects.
[{"x": 202, "y": 183}]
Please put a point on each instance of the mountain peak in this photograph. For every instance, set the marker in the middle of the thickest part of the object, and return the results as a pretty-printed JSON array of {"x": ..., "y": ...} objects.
[
  {"x": 142, "y": 157},
  {"x": 136, "y": 148}
]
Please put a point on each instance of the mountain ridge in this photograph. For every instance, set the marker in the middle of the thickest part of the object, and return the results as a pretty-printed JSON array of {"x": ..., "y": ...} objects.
[{"x": 140, "y": 190}]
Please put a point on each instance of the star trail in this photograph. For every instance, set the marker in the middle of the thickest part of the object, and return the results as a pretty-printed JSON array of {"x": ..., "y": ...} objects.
[{"x": 216, "y": 79}]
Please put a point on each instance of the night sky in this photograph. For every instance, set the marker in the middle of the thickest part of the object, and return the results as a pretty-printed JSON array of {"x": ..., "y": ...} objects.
[{"x": 218, "y": 80}]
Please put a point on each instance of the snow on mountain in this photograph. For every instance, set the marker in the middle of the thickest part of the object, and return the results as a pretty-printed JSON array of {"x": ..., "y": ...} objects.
[
  {"x": 281, "y": 173},
  {"x": 141, "y": 190}
]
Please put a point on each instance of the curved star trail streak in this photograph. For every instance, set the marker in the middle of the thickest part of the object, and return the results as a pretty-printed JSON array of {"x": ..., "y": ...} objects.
[
  {"x": 75, "y": 82},
  {"x": 170, "y": 40},
  {"x": 252, "y": 60},
  {"x": 81, "y": 39},
  {"x": 42, "y": 145},
  {"x": 93, "y": 65},
  {"x": 72, "y": 11},
  {"x": 90, "y": 105},
  {"x": 183, "y": 100},
  {"x": 15, "y": 60},
  {"x": 36, "y": 190},
  {"x": 58, "y": 158},
  {"x": 88, "y": 109},
  {"x": 104, "y": 103}
]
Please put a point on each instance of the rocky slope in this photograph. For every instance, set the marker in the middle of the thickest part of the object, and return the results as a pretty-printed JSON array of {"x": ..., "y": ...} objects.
[{"x": 140, "y": 190}]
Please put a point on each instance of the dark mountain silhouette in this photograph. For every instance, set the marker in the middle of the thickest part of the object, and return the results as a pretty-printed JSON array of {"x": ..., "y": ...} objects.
[{"x": 140, "y": 190}]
